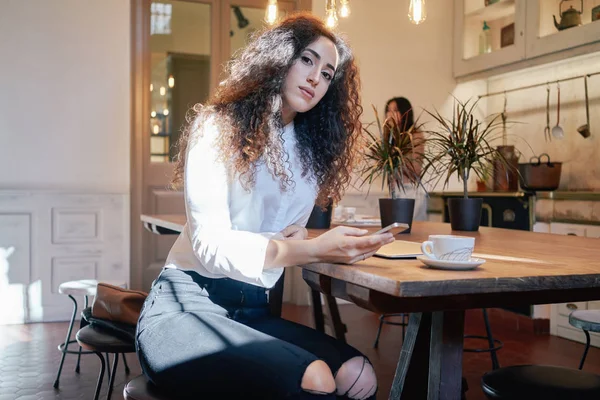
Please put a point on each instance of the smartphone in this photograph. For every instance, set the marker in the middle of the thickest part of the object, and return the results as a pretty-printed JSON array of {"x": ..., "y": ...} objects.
[{"x": 395, "y": 228}]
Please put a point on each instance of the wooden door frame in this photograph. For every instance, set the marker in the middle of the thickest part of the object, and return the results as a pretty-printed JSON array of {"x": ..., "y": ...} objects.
[{"x": 140, "y": 101}]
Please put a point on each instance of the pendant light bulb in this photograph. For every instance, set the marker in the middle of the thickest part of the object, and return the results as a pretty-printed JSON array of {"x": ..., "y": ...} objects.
[
  {"x": 416, "y": 11},
  {"x": 331, "y": 19},
  {"x": 344, "y": 8},
  {"x": 272, "y": 12}
]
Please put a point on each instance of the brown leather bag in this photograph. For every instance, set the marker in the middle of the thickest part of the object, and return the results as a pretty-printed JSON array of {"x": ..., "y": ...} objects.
[{"x": 114, "y": 303}]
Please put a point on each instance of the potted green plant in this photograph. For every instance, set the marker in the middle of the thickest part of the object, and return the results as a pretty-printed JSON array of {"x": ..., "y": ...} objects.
[
  {"x": 392, "y": 154},
  {"x": 462, "y": 145}
]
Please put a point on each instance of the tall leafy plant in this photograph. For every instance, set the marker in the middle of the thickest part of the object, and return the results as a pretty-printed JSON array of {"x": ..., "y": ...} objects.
[
  {"x": 462, "y": 145},
  {"x": 391, "y": 153}
]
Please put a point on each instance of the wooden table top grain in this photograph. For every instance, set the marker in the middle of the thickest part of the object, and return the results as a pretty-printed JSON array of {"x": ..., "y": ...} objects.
[{"x": 515, "y": 261}]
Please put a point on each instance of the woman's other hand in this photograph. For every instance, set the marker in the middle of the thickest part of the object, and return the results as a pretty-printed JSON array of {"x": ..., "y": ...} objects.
[
  {"x": 348, "y": 245},
  {"x": 294, "y": 232}
]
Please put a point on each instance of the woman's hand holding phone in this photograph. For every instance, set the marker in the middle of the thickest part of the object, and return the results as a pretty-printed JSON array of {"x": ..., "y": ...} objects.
[
  {"x": 348, "y": 245},
  {"x": 394, "y": 228}
]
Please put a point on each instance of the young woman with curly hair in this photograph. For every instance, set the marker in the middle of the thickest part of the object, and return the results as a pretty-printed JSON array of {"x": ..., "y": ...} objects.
[{"x": 277, "y": 137}]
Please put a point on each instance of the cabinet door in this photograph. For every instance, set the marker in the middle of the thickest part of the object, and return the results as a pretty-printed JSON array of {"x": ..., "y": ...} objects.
[
  {"x": 506, "y": 20},
  {"x": 568, "y": 229},
  {"x": 542, "y": 227},
  {"x": 592, "y": 231},
  {"x": 543, "y": 37}
]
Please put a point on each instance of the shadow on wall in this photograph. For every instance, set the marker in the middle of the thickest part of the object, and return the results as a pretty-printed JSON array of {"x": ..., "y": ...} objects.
[
  {"x": 13, "y": 294},
  {"x": 4, "y": 267}
]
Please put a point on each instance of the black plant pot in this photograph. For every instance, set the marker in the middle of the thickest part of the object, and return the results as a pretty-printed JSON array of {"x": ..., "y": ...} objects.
[
  {"x": 397, "y": 210},
  {"x": 465, "y": 214},
  {"x": 319, "y": 219}
]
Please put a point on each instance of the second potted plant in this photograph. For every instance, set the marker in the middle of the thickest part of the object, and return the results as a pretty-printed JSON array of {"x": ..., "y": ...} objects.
[
  {"x": 462, "y": 145},
  {"x": 393, "y": 155}
]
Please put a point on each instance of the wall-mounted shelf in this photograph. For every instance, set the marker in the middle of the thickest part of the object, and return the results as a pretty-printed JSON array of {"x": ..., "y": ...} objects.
[{"x": 501, "y": 9}]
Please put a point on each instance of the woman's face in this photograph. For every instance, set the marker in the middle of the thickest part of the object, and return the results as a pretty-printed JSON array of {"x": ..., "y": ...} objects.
[
  {"x": 309, "y": 77},
  {"x": 393, "y": 112}
]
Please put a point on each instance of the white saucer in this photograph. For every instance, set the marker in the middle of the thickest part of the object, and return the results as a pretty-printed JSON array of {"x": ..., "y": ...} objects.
[{"x": 451, "y": 265}]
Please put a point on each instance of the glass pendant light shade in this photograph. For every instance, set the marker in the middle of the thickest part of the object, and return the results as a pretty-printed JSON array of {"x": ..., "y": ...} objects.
[
  {"x": 416, "y": 11},
  {"x": 331, "y": 19},
  {"x": 344, "y": 8},
  {"x": 272, "y": 12}
]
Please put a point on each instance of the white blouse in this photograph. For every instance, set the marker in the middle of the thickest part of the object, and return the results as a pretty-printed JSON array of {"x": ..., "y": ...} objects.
[{"x": 228, "y": 228}]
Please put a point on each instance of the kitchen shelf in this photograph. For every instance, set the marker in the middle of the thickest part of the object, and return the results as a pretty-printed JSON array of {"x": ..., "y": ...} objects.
[{"x": 501, "y": 9}]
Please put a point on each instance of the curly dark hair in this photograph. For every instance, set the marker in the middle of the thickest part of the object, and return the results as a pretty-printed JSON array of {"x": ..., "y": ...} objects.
[{"x": 247, "y": 107}]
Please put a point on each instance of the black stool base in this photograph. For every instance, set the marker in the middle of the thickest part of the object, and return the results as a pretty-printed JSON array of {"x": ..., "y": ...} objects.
[{"x": 540, "y": 382}]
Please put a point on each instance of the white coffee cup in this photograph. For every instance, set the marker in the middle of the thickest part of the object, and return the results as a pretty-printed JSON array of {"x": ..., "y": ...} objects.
[{"x": 448, "y": 247}]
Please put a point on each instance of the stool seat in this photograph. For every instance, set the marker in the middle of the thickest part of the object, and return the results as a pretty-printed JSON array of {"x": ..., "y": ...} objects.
[
  {"x": 141, "y": 389},
  {"x": 540, "y": 382},
  {"x": 85, "y": 287},
  {"x": 588, "y": 320},
  {"x": 95, "y": 339}
]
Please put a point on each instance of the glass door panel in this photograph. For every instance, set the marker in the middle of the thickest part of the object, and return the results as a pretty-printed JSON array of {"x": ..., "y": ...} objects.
[
  {"x": 180, "y": 57},
  {"x": 489, "y": 25}
]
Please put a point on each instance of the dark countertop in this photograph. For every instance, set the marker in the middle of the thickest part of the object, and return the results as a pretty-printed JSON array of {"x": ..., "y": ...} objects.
[{"x": 554, "y": 195}]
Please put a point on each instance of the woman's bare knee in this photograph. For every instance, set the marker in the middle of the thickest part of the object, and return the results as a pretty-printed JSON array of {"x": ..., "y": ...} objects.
[
  {"x": 356, "y": 379},
  {"x": 318, "y": 378}
]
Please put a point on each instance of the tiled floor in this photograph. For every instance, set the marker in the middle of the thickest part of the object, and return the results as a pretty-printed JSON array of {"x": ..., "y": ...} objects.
[
  {"x": 29, "y": 358},
  {"x": 29, "y": 361}
]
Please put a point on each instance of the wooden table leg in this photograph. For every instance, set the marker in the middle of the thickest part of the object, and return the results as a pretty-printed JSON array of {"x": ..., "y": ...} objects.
[
  {"x": 339, "y": 329},
  {"x": 435, "y": 371},
  {"x": 445, "y": 357},
  {"x": 410, "y": 380},
  {"x": 276, "y": 297},
  {"x": 318, "y": 310}
]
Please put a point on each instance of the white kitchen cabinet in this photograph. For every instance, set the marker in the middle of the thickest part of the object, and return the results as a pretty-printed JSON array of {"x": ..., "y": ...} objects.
[
  {"x": 559, "y": 319},
  {"x": 592, "y": 231},
  {"x": 568, "y": 229},
  {"x": 468, "y": 24},
  {"x": 536, "y": 39},
  {"x": 541, "y": 227},
  {"x": 543, "y": 37}
]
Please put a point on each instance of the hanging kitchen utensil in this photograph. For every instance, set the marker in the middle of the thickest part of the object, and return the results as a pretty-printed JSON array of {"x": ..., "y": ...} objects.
[
  {"x": 504, "y": 122},
  {"x": 584, "y": 130},
  {"x": 557, "y": 131},
  {"x": 547, "y": 134}
]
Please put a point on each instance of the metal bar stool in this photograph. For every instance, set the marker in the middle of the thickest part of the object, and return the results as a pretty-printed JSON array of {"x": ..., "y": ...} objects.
[
  {"x": 99, "y": 341},
  {"x": 382, "y": 320},
  {"x": 588, "y": 321},
  {"x": 493, "y": 344},
  {"x": 85, "y": 288}
]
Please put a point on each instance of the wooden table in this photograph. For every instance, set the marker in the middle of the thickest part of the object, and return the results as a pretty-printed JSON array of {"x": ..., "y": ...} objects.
[{"x": 522, "y": 268}]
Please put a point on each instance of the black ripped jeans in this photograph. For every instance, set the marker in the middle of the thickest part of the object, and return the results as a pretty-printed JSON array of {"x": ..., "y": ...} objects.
[{"x": 215, "y": 339}]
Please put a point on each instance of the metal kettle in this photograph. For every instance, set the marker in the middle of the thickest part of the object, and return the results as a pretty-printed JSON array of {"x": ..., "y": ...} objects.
[{"x": 568, "y": 18}]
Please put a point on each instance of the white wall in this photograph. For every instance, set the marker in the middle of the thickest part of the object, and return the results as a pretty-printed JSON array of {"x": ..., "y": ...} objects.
[
  {"x": 397, "y": 58},
  {"x": 65, "y": 95}
]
